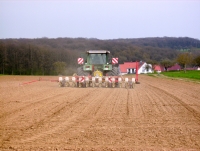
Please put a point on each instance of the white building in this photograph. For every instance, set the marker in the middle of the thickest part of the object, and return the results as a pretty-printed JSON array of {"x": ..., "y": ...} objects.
[{"x": 130, "y": 68}]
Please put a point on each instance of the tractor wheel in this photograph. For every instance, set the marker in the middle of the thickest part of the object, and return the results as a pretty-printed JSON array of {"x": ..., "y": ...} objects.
[
  {"x": 81, "y": 72},
  {"x": 114, "y": 72}
]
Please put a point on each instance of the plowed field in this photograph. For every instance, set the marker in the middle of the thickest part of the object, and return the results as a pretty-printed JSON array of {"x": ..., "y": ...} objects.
[{"x": 158, "y": 114}]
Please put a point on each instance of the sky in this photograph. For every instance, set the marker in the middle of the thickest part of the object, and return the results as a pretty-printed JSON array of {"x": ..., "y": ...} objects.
[{"x": 101, "y": 19}]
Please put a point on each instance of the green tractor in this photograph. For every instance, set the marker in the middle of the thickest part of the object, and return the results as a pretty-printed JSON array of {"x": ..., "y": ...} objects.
[
  {"x": 98, "y": 64},
  {"x": 97, "y": 70}
]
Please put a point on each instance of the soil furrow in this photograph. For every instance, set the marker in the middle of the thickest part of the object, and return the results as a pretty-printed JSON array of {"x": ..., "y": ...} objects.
[
  {"x": 158, "y": 114},
  {"x": 195, "y": 113}
]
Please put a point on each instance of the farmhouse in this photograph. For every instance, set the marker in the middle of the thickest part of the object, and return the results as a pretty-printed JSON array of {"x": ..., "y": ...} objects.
[
  {"x": 193, "y": 68},
  {"x": 160, "y": 68},
  {"x": 175, "y": 67},
  {"x": 130, "y": 68}
]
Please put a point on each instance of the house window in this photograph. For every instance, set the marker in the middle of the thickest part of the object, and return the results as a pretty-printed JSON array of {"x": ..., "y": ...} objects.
[{"x": 130, "y": 70}]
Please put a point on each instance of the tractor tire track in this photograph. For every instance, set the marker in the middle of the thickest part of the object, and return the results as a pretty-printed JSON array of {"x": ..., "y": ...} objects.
[
  {"x": 58, "y": 109},
  {"x": 31, "y": 104},
  {"x": 90, "y": 110},
  {"x": 155, "y": 115},
  {"x": 195, "y": 113}
]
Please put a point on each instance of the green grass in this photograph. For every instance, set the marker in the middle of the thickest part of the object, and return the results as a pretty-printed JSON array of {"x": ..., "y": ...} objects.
[{"x": 194, "y": 74}]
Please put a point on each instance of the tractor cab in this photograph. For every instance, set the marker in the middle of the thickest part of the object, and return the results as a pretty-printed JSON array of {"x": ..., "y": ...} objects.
[
  {"x": 97, "y": 57},
  {"x": 98, "y": 63}
]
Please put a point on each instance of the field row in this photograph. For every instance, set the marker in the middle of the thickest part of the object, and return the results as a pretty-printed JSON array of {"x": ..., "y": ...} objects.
[{"x": 158, "y": 114}]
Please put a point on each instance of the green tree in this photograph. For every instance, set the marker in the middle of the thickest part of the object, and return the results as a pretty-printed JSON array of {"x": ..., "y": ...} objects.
[
  {"x": 197, "y": 61},
  {"x": 59, "y": 67},
  {"x": 167, "y": 63},
  {"x": 184, "y": 59}
]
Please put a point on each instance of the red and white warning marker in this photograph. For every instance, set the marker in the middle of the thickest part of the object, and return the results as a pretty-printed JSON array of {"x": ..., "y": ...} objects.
[
  {"x": 114, "y": 60},
  {"x": 80, "y": 60},
  {"x": 82, "y": 79}
]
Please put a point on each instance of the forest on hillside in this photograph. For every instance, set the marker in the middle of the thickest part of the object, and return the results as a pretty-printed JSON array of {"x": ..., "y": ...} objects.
[{"x": 39, "y": 56}]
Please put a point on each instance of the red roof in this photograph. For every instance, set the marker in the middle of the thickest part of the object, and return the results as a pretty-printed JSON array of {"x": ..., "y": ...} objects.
[
  {"x": 159, "y": 68},
  {"x": 129, "y": 65},
  {"x": 175, "y": 67}
]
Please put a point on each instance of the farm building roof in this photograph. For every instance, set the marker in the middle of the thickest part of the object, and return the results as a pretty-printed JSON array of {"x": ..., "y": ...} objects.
[
  {"x": 175, "y": 67},
  {"x": 159, "y": 68},
  {"x": 129, "y": 65}
]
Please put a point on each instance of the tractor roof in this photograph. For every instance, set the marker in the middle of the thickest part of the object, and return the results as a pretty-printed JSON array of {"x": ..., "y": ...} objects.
[{"x": 98, "y": 51}]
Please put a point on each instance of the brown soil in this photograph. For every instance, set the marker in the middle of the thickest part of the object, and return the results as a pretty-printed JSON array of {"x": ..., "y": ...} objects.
[{"x": 158, "y": 114}]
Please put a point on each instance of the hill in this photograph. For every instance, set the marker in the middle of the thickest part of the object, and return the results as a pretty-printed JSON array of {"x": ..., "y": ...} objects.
[{"x": 36, "y": 56}]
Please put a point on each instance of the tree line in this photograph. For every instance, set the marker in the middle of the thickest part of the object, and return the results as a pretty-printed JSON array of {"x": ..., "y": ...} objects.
[
  {"x": 28, "y": 59},
  {"x": 45, "y": 56}
]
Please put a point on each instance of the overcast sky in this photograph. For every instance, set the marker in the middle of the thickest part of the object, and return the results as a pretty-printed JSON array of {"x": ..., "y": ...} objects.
[{"x": 102, "y": 19}]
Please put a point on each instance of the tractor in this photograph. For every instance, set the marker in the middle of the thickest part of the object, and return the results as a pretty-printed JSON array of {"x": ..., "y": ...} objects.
[
  {"x": 97, "y": 70},
  {"x": 97, "y": 64}
]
